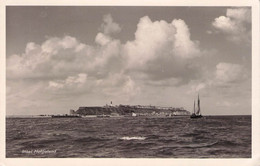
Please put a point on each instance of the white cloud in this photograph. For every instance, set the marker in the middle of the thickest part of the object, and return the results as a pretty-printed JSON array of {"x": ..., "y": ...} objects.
[
  {"x": 150, "y": 39},
  {"x": 60, "y": 56},
  {"x": 240, "y": 14},
  {"x": 69, "y": 81},
  {"x": 209, "y": 32},
  {"x": 225, "y": 24},
  {"x": 198, "y": 87},
  {"x": 55, "y": 85},
  {"x": 30, "y": 47},
  {"x": 54, "y": 44},
  {"x": 67, "y": 67},
  {"x": 130, "y": 88},
  {"x": 109, "y": 26},
  {"x": 229, "y": 73},
  {"x": 163, "y": 50},
  {"x": 79, "y": 79},
  {"x": 102, "y": 39},
  {"x": 226, "y": 75},
  {"x": 118, "y": 85},
  {"x": 236, "y": 24},
  {"x": 158, "y": 39},
  {"x": 183, "y": 45}
]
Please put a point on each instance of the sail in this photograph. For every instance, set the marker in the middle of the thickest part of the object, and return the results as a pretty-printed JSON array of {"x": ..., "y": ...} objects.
[
  {"x": 198, "y": 111},
  {"x": 194, "y": 108}
]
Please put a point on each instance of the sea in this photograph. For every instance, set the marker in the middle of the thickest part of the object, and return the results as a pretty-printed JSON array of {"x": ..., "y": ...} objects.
[{"x": 129, "y": 137}]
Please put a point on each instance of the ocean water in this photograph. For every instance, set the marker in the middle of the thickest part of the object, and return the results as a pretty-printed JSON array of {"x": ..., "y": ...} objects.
[{"x": 129, "y": 137}]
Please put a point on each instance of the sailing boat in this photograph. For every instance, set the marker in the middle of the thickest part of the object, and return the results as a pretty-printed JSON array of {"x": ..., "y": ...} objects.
[{"x": 196, "y": 114}]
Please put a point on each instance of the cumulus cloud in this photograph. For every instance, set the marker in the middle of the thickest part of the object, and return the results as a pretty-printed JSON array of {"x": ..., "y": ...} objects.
[
  {"x": 240, "y": 14},
  {"x": 109, "y": 26},
  {"x": 162, "y": 50},
  {"x": 183, "y": 45},
  {"x": 229, "y": 73},
  {"x": 118, "y": 84},
  {"x": 236, "y": 24},
  {"x": 70, "y": 81},
  {"x": 102, "y": 39},
  {"x": 55, "y": 85},
  {"x": 226, "y": 75},
  {"x": 225, "y": 24},
  {"x": 40, "y": 60},
  {"x": 57, "y": 57},
  {"x": 198, "y": 87},
  {"x": 159, "y": 39},
  {"x": 130, "y": 88}
]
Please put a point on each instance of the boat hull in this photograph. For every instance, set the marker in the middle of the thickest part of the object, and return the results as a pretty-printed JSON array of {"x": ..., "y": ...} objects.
[{"x": 195, "y": 116}]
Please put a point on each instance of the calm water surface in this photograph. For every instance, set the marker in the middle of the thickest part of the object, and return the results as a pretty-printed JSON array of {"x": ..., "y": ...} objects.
[{"x": 130, "y": 137}]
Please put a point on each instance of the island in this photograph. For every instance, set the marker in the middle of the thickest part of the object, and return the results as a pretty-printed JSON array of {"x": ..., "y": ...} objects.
[{"x": 129, "y": 110}]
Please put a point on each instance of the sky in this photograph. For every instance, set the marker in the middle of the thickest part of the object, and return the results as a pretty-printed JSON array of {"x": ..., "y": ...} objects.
[{"x": 61, "y": 58}]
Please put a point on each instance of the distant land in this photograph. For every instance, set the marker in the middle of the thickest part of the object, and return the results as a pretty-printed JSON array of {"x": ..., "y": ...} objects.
[{"x": 130, "y": 110}]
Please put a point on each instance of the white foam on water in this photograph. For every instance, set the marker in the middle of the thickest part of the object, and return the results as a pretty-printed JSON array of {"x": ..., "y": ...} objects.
[{"x": 133, "y": 138}]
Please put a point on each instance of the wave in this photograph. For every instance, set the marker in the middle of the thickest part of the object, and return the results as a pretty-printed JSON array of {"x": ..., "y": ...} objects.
[
  {"x": 199, "y": 145},
  {"x": 133, "y": 138},
  {"x": 190, "y": 134},
  {"x": 91, "y": 139},
  {"x": 44, "y": 141},
  {"x": 227, "y": 143},
  {"x": 153, "y": 137}
]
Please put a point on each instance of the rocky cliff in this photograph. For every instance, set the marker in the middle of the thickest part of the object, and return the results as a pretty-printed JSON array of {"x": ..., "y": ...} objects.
[{"x": 128, "y": 110}]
